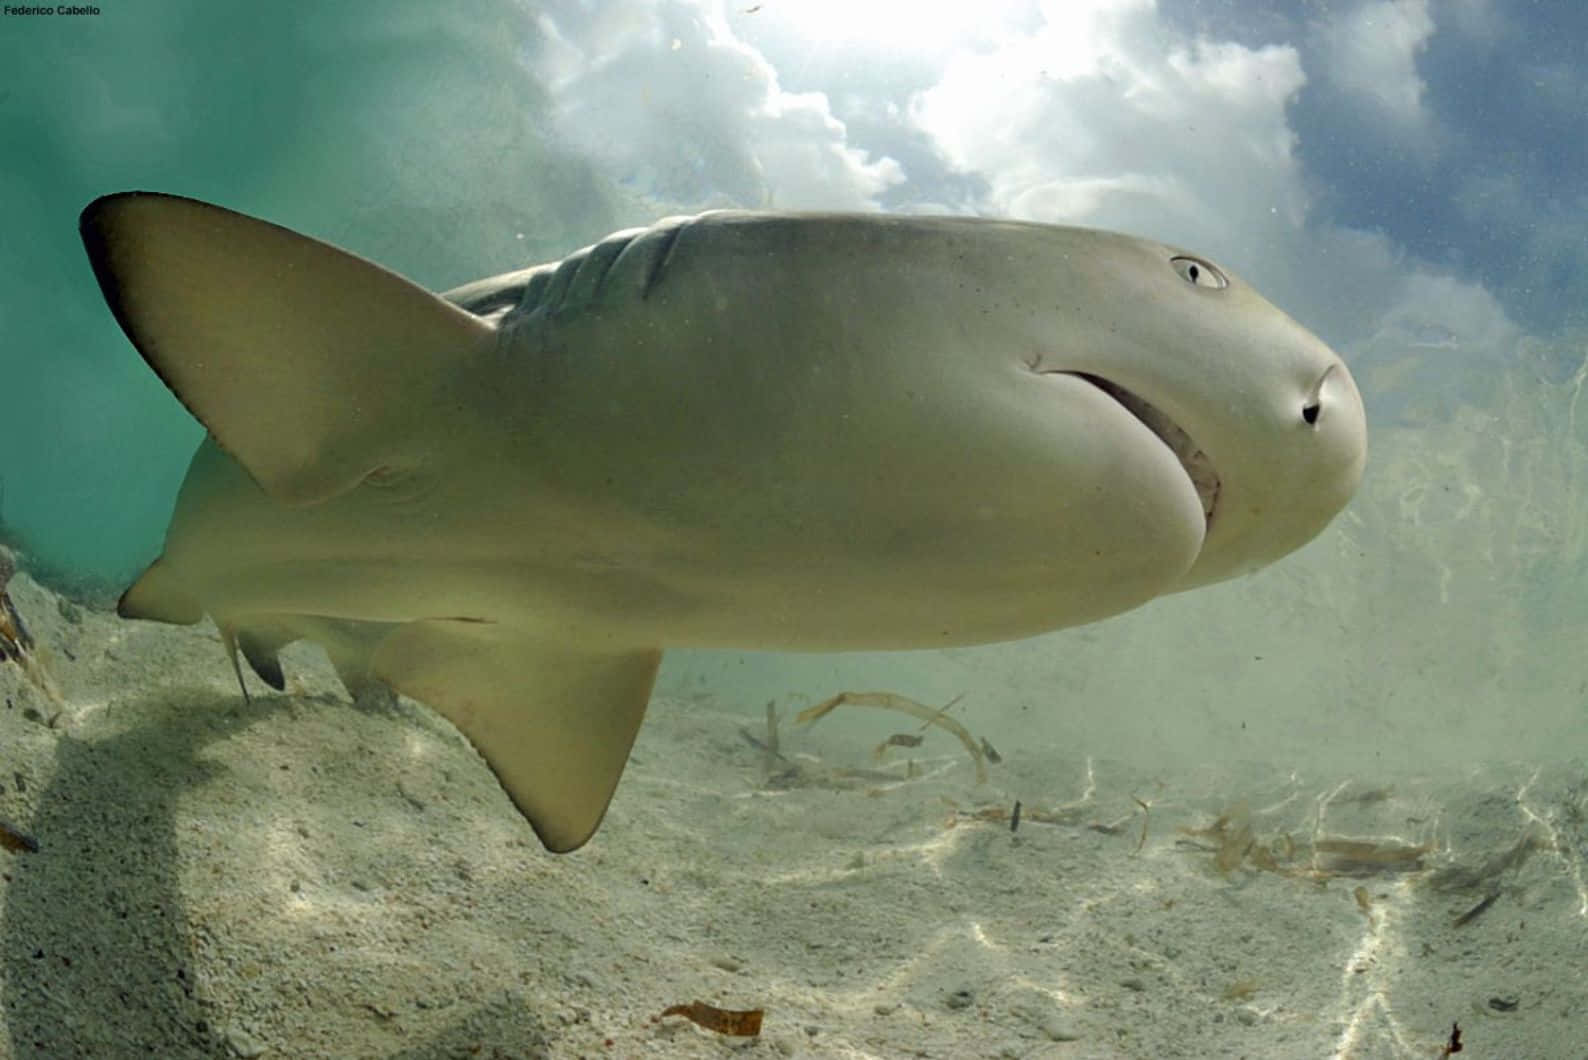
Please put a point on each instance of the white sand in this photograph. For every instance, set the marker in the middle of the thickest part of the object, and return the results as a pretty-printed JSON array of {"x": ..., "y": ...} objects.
[{"x": 306, "y": 877}]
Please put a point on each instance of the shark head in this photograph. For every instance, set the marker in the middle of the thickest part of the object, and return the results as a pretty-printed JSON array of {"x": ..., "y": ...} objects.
[{"x": 1263, "y": 417}]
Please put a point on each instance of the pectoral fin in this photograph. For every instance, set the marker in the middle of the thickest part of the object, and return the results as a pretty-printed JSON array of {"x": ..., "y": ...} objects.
[
  {"x": 553, "y": 721},
  {"x": 311, "y": 366}
]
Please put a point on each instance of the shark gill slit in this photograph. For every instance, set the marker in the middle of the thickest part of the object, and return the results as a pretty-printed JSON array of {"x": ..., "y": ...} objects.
[{"x": 662, "y": 258}]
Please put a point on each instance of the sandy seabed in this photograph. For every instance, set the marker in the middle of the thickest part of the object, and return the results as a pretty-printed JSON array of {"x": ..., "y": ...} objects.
[{"x": 304, "y": 876}]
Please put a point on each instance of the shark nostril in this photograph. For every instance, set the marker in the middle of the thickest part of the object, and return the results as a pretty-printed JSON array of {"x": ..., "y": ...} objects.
[{"x": 1314, "y": 404}]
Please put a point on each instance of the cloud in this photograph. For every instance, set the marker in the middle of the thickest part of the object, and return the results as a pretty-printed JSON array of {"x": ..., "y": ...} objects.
[
  {"x": 676, "y": 107},
  {"x": 1537, "y": 239},
  {"x": 1371, "y": 55},
  {"x": 1103, "y": 116}
]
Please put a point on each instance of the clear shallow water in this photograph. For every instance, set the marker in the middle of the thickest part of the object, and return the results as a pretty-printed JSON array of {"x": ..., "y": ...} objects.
[{"x": 1398, "y": 177}]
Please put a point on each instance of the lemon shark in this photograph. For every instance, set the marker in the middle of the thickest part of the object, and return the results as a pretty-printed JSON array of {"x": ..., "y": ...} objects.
[{"x": 743, "y": 430}]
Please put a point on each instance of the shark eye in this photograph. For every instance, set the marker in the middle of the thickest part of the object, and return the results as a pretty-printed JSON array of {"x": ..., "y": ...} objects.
[{"x": 1199, "y": 273}]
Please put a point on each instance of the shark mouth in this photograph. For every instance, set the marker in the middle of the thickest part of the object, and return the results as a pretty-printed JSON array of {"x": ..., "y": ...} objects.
[{"x": 1198, "y": 467}]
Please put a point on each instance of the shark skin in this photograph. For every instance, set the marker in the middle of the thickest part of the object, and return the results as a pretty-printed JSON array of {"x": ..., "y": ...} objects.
[{"x": 795, "y": 432}]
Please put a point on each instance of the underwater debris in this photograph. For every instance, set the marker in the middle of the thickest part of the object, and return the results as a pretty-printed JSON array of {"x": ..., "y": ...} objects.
[
  {"x": 987, "y": 749},
  {"x": 1232, "y": 832},
  {"x": 1233, "y": 848},
  {"x": 991, "y": 814},
  {"x": 782, "y": 772},
  {"x": 1240, "y": 990},
  {"x": 1454, "y": 1044},
  {"x": 1146, "y": 812},
  {"x": 893, "y": 701},
  {"x": 1068, "y": 814},
  {"x": 1478, "y": 910},
  {"x": 16, "y": 643},
  {"x": 1511, "y": 859},
  {"x": 1235, "y": 843},
  {"x": 17, "y": 842},
  {"x": 738, "y": 1024},
  {"x": 769, "y": 746},
  {"x": 1364, "y": 901},
  {"x": 898, "y": 739},
  {"x": 1358, "y": 857}
]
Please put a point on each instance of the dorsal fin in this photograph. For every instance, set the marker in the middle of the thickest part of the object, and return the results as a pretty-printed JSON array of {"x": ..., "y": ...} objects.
[{"x": 307, "y": 363}]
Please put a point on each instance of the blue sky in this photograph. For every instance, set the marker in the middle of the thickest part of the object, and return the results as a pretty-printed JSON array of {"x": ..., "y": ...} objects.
[{"x": 1405, "y": 177}]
